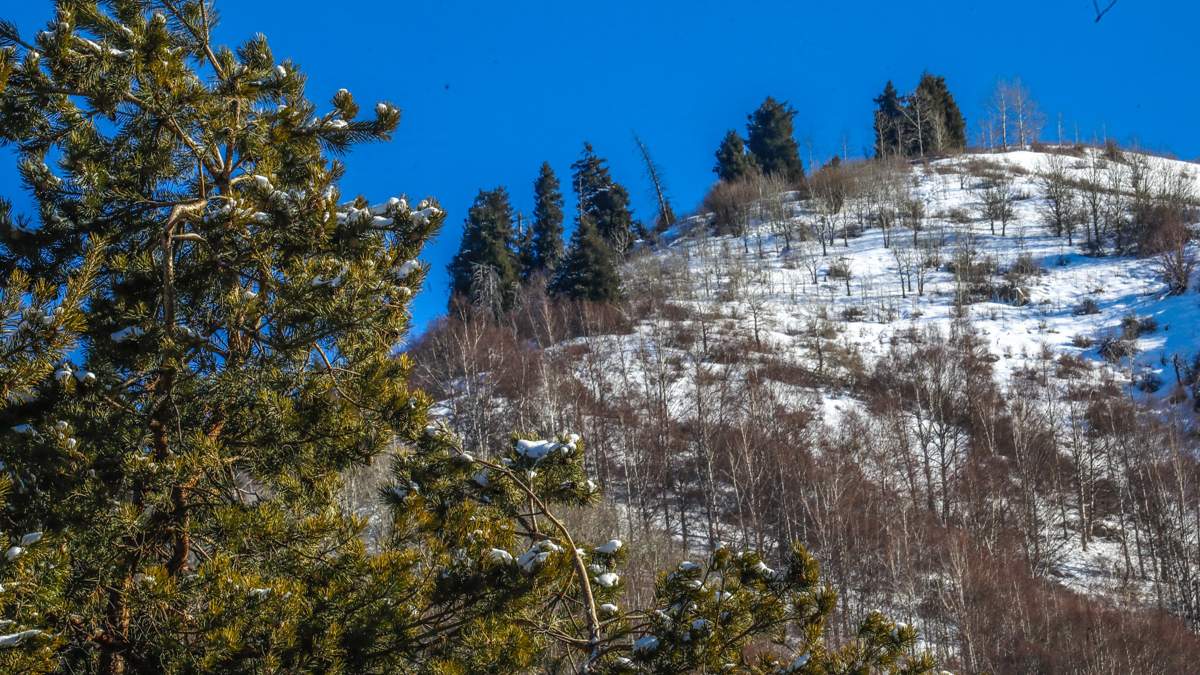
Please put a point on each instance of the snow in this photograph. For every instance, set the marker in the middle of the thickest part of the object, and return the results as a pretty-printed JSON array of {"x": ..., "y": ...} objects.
[
  {"x": 127, "y": 333},
  {"x": 609, "y": 608},
  {"x": 408, "y": 268},
  {"x": 263, "y": 183},
  {"x": 31, "y": 538},
  {"x": 500, "y": 555},
  {"x": 646, "y": 643},
  {"x": 538, "y": 450},
  {"x": 609, "y": 548},
  {"x": 13, "y": 553},
  {"x": 608, "y": 579},
  {"x": 15, "y": 639}
]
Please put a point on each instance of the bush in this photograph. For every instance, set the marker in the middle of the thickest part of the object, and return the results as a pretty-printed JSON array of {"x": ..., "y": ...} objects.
[
  {"x": 1133, "y": 327},
  {"x": 1113, "y": 348},
  {"x": 1149, "y": 382},
  {"x": 1088, "y": 306},
  {"x": 839, "y": 269},
  {"x": 1025, "y": 265}
]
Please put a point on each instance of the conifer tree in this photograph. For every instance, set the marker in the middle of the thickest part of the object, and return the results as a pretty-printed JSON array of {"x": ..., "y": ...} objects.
[
  {"x": 733, "y": 162},
  {"x": 889, "y": 123},
  {"x": 943, "y": 125},
  {"x": 235, "y": 354},
  {"x": 604, "y": 201},
  {"x": 770, "y": 140},
  {"x": 485, "y": 269},
  {"x": 547, "y": 232},
  {"x": 526, "y": 260},
  {"x": 588, "y": 272}
]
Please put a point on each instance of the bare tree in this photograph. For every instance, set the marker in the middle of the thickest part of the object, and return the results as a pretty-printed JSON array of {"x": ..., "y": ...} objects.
[
  {"x": 1012, "y": 109},
  {"x": 997, "y": 198},
  {"x": 1059, "y": 206},
  {"x": 666, "y": 216}
]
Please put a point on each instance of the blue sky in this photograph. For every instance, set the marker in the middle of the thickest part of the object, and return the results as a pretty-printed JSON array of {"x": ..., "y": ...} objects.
[{"x": 491, "y": 89}]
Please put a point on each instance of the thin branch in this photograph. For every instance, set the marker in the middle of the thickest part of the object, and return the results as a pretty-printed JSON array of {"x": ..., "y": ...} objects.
[{"x": 1100, "y": 12}]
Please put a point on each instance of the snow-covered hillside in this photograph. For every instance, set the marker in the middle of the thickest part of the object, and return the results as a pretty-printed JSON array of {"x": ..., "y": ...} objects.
[
  {"x": 1053, "y": 312},
  {"x": 948, "y": 406}
]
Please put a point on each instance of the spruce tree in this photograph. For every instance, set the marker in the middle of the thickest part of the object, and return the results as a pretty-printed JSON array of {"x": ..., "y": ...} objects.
[
  {"x": 547, "y": 232},
  {"x": 945, "y": 122},
  {"x": 603, "y": 200},
  {"x": 733, "y": 162},
  {"x": 485, "y": 269},
  {"x": 770, "y": 140},
  {"x": 889, "y": 123},
  {"x": 588, "y": 272}
]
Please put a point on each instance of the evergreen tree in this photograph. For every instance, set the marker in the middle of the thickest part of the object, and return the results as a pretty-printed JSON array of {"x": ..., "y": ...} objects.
[
  {"x": 889, "y": 123},
  {"x": 733, "y": 162},
  {"x": 235, "y": 356},
  {"x": 945, "y": 124},
  {"x": 485, "y": 269},
  {"x": 526, "y": 255},
  {"x": 588, "y": 272},
  {"x": 770, "y": 140},
  {"x": 547, "y": 233},
  {"x": 603, "y": 200}
]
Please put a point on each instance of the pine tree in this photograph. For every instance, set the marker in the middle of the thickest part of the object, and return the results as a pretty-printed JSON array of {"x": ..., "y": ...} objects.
[
  {"x": 603, "y": 200},
  {"x": 547, "y": 248},
  {"x": 485, "y": 270},
  {"x": 770, "y": 140},
  {"x": 889, "y": 123},
  {"x": 235, "y": 355},
  {"x": 588, "y": 272},
  {"x": 733, "y": 162}
]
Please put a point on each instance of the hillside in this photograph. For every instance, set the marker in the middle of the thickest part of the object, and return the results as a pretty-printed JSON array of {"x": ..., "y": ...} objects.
[{"x": 943, "y": 405}]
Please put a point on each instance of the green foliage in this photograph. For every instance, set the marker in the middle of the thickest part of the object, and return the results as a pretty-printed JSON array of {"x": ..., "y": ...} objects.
[
  {"x": 944, "y": 126},
  {"x": 733, "y": 162},
  {"x": 236, "y": 324},
  {"x": 889, "y": 123},
  {"x": 547, "y": 246},
  {"x": 770, "y": 140},
  {"x": 602, "y": 200},
  {"x": 486, "y": 268},
  {"x": 926, "y": 122},
  {"x": 589, "y": 271}
]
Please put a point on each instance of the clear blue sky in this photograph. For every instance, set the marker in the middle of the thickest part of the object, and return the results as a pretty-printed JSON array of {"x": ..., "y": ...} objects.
[{"x": 491, "y": 89}]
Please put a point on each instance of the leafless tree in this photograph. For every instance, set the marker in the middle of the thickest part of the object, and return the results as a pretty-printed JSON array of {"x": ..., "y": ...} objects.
[
  {"x": 666, "y": 216},
  {"x": 1012, "y": 109},
  {"x": 1059, "y": 206}
]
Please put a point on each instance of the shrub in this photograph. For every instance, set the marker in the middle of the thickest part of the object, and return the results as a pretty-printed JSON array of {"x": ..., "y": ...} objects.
[{"x": 1088, "y": 306}]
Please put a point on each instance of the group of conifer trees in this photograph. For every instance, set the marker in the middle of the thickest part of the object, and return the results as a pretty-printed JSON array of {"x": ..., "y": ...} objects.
[
  {"x": 499, "y": 251},
  {"x": 769, "y": 148},
  {"x": 198, "y": 342},
  {"x": 924, "y": 123}
]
